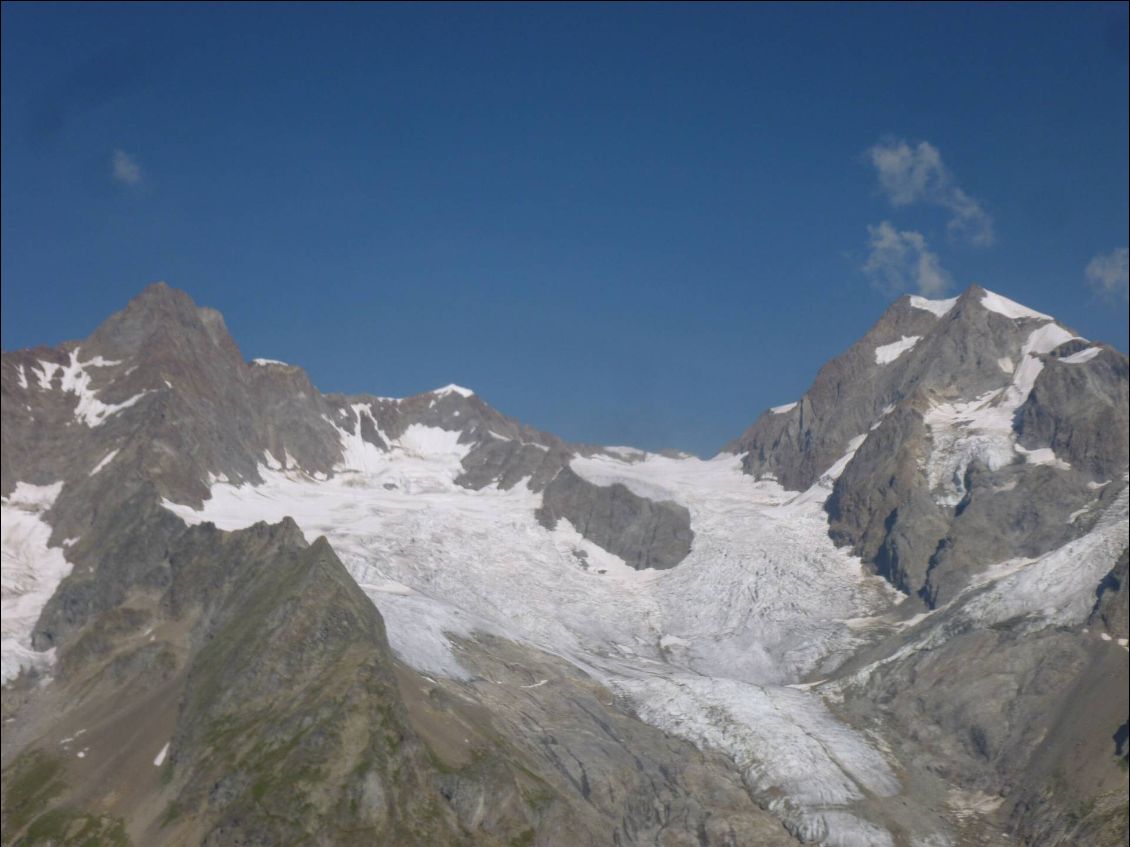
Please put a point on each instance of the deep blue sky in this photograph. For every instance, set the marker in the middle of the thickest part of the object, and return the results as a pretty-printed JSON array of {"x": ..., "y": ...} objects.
[{"x": 624, "y": 224}]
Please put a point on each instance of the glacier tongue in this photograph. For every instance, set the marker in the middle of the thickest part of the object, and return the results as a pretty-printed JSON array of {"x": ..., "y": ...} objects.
[{"x": 706, "y": 650}]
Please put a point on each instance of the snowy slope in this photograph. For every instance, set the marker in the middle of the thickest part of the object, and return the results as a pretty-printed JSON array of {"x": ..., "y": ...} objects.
[
  {"x": 716, "y": 650},
  {"x": 706, "y": 650}
]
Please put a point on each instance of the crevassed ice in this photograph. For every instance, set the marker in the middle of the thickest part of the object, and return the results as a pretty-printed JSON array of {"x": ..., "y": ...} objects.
[
  {"x": 706, "y": 649},
  {"x": 31, "y": 572}
]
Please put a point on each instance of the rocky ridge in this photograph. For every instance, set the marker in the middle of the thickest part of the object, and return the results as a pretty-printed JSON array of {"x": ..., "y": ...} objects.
[{"x": 970, "y": 451}]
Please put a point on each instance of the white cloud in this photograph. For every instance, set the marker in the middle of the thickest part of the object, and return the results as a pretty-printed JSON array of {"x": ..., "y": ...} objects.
[
  {"x": 1108, "y": 273},
  {"x": 125, "y": 168},
  {"x": 909, "y": 175},
  {"x": 900, "y": 261}
]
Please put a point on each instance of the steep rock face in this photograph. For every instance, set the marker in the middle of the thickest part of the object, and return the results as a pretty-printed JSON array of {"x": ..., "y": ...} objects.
[
  {"x": 965, "y": 432},
  {"x": 1078, "y": 408},
  {"x": 796, "y": 443},
  {"x": 498, "y": 450},
  {"x": 1012, "y": 695},
  {"x": 881, "y": 503},
  {"x": 1112, "y": 601},
  {"x": 167, "y": 368},
  {"x": 1029, "y": 736},
  {"x": 243, "y": 693},
  {"x": 642, "y": 532},
  {"x": 291, "y": 706}
]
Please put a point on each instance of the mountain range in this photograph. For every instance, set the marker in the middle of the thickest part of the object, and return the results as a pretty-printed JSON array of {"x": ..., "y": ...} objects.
[{"x": 239, "y": 611}]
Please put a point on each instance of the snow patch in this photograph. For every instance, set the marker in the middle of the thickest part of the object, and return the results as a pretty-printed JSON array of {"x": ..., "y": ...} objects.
[
  {"x": 981, "y": 429},
  {"x": 887, "y": 353},
  {"x": 160, "y": 758},
  {"x": 1042, "y": 456},
  {"x": 357, "y": 454},
  {"x": 1010, "y": 308},
  {"x": 421, "y": 440},
  {"x": 75, "y": 379},
  {"x": 46, "y": 374},
  {"x": 1055, "y": 589},
  {"x": 787, "y": 407},
  {"x": 937, "y": 307},
  {"x": 109, "y": 457},
  {"x": 1082, "y": 356},
  {"x": 1059, "y": 586},
  {"x": 264, "y": 362},
  {"x": 629, "y": 454}
]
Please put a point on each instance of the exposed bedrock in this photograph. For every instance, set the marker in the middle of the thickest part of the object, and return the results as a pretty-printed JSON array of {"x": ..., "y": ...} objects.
[
  {"x": 1080, "y": 411},
  {"x": 642, "y": 532},
  {"x": 995, "y": 434}
]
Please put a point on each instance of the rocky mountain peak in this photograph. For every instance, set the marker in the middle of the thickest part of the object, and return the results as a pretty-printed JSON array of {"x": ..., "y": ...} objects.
[
  {"x": 163, "y": 320},
  {"x": 938, "y": 399},
  {"x": 172, "y": 514}
]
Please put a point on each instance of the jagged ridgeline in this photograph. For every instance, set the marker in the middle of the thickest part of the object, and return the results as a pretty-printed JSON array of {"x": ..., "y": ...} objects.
[{"x": 239, "y": 611}]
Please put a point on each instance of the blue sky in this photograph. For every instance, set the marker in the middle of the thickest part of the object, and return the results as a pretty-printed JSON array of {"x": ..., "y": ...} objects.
[{"x": 625, "y": 224}]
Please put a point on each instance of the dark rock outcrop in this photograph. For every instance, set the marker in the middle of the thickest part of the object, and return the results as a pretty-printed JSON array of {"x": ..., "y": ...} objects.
[{"x": 644, "y": 533}]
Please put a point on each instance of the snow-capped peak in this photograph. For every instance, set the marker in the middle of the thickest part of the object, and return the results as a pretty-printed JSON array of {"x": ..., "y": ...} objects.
[{"x": 453, "y": 389}]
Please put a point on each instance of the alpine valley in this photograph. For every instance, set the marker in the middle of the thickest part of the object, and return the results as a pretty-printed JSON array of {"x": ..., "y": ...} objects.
[{"x": 238, "y": 611}]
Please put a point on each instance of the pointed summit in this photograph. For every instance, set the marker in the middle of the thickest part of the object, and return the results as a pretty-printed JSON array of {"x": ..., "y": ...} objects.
[
  {"x": 975, "y": 295},
  {"x": 959, "y": 347},
  {"x": 160, "y": 321}
]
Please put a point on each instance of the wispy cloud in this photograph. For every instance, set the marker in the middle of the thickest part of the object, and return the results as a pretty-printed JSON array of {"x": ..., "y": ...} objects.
[
  {"x": 909, "y": 175},
  {"x": 900, "y": 261},
  {"x": 125, "y": 168},
  {"x": 1108, "y": 273}
]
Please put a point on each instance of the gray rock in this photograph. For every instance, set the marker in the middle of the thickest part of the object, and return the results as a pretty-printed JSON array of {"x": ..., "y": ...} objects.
[
  {"x": 642, "y": 532},
  {"x": 1111, "y": 613},
  {"x": 882, "y": 505},
  {"x": 1080, "y": 411}
]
